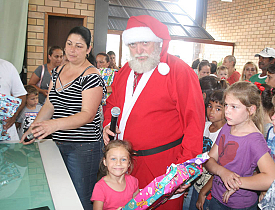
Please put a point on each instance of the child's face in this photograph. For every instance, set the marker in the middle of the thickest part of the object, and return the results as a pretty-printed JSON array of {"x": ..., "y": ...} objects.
[
  {"x": 223, "y": 74},
  {"x": 270, "y": 80},
  {"x": 205, "y": 71},
  {"x": 32, "y": 100},
  {"x": 117, "y": 161},
  {"x": 235, "y": 112},
  {"x": 215, "y": 112}
]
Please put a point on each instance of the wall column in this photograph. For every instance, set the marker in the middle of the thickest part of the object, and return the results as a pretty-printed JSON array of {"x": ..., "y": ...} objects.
[{"x": 101, "y": 26}]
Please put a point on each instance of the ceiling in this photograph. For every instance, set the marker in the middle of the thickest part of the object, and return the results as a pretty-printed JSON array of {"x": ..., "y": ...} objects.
[{"x": 179, "y": 23}]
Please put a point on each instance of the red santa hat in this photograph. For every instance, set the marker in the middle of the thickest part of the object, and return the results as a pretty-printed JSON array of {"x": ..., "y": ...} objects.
[{"x": 145, "y": 28}]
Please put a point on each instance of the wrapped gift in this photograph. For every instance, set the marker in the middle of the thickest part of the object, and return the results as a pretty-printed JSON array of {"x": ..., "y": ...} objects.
[
  {"x": 163, "y": 187},
  {"x": 8, "y": 107}
]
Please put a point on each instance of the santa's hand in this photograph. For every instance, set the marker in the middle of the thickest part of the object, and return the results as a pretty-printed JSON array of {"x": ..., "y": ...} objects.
[
  {"x": 107, "y": 132},
  {"x": 182, "y": 188}
]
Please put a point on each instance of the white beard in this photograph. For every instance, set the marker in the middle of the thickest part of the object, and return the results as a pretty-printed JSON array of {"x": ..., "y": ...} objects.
[{"x": 150, "y": 63}]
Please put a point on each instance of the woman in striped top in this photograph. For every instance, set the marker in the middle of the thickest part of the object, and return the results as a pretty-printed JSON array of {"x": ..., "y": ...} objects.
[{"x": 71, "y": 114}]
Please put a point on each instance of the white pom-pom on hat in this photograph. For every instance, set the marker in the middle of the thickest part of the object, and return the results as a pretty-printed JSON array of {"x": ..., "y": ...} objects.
[{"x": 163, "y": 68}]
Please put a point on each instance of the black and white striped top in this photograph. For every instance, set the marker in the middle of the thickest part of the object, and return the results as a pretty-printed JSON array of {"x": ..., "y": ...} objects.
[{"x": 68, "y": 102}]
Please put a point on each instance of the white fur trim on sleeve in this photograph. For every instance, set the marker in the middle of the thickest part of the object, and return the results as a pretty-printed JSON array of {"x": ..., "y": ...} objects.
[{"x": 139, "y": 34}]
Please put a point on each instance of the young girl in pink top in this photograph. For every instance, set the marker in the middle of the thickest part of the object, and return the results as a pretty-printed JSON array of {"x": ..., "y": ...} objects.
[
  {"x": 240, "y": 148},
  {"x": 117, "y": 188}
]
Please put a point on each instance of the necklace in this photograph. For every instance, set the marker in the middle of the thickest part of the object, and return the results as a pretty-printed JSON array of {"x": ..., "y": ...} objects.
[{"x": 61, "y": 88}]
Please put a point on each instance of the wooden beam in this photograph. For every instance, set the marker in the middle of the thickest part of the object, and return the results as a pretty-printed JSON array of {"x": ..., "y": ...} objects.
[
  {"x": 115, "y": 32},
  {"x": 205, "y": 41},
  {"x": 187, "y": 39}
]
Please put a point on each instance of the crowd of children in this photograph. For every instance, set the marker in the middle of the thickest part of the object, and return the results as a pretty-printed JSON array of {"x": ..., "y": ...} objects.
[
  {"x": 239, "y": 149},
  {"x": 239, "y": 118}
]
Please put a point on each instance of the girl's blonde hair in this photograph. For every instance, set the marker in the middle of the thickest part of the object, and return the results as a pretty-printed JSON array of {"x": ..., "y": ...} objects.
[
  {"x": 248, "y": 63},
  {"x": 115, "y": 144},
  {"x": 249, "y": 95}
]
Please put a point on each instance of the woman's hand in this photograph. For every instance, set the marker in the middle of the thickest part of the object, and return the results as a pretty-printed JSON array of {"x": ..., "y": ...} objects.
[
  {"x": 41, "y": 130},
  {"x": 107, "y": 132},
  {"x": 29, "y": 131},
  {"x": 230, "y": 179},
  {"x": 227, "y": 194}
]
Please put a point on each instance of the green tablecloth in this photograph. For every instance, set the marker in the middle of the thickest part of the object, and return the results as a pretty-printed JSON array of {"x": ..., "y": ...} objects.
[{"x": 23, "y": 183}]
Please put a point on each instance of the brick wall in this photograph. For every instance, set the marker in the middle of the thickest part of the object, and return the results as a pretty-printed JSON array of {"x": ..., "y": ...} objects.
[
  {"x": 36, "y": 24},
  {"x": 250, "y": 24}
]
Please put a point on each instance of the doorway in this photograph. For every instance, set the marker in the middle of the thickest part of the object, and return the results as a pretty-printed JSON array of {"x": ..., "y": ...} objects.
[{"x": 57, "y": 27}]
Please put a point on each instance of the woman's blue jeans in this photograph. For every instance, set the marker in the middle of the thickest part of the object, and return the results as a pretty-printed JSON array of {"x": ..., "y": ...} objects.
[
  {"x": 217, "y": 205},
  {"x": 82, "y": 162}
]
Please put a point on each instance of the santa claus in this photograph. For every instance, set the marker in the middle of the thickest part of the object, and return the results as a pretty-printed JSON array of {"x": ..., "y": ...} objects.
[{"x": 161, "y": 103}]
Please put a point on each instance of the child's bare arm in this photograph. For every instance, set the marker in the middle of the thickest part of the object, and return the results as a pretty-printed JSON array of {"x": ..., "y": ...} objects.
[
  {"x": 211, "y": 165},
  {"x": 97, "y": 205},
  {"x": 202, "y": 195},
  {"x": 230, "y": 179},
  {"x": 262, "y": 180},
  {"x": 207, "y": 187}
]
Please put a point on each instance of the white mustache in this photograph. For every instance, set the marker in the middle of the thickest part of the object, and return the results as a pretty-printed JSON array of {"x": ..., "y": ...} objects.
[{"x": 141, "y": 55}]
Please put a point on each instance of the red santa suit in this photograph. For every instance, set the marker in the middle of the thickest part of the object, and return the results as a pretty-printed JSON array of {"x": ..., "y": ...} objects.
[{"x": 166, "y": 105}]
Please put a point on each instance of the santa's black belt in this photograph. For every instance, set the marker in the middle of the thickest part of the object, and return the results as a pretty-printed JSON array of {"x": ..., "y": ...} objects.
[{"x": 157, "y": 149}]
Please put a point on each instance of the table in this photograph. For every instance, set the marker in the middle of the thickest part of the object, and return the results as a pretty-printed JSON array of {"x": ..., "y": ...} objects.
[{"x": 33, "y": 176}]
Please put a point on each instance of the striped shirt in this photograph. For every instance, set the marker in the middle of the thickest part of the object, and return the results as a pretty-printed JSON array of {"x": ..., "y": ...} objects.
[{"x": 68, "y": 102}]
